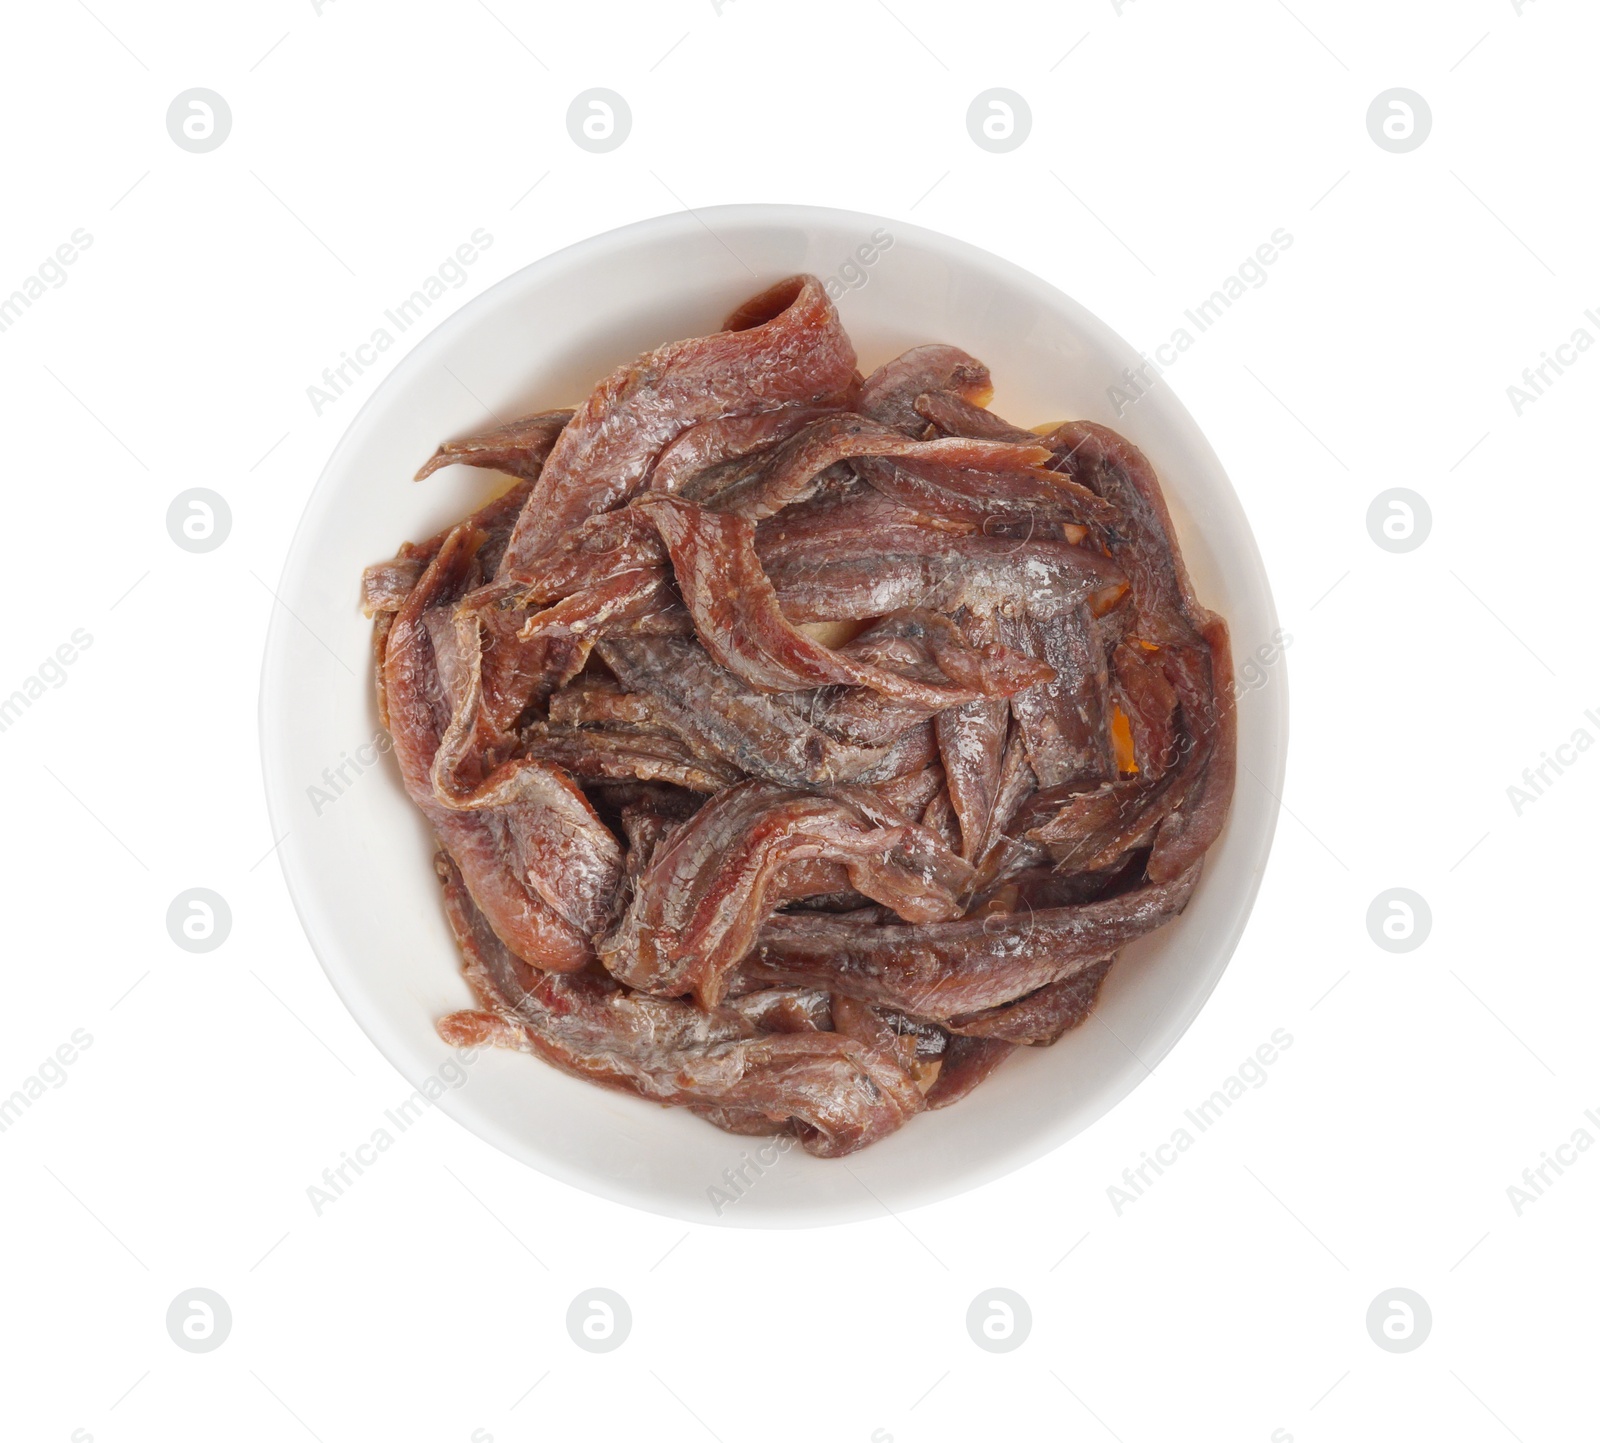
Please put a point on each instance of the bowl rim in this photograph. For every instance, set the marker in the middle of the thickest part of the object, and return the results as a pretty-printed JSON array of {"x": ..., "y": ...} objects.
[{"x": 1038, "y": 1141}]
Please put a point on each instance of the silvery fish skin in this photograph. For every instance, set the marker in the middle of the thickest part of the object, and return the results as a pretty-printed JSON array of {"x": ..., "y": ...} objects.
[
  {"x": 708, "y": 888},
  {"x": 942, "y": 970},
  {"x": 832, "y": 1092}
]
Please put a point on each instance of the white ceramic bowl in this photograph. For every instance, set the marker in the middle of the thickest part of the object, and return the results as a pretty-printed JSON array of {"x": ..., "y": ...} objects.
[{"x": 359, "y": 868}]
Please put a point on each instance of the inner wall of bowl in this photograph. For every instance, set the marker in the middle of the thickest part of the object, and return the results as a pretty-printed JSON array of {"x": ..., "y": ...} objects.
[{"x": 359, "y": 867}]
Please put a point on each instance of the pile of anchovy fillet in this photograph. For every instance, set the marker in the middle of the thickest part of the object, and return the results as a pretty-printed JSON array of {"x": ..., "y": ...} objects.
[{"x": 797, "y": 745}]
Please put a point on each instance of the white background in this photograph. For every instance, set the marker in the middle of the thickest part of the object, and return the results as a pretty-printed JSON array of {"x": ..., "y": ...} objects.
[{"x": 1168, "y": 142}]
